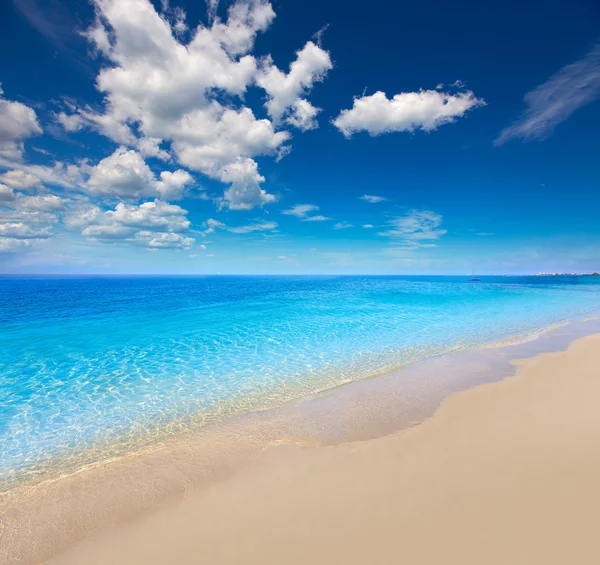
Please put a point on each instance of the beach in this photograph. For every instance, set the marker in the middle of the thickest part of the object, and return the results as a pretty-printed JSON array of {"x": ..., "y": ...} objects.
[
  {"x": 158, "y": 426},
  {"x": 502, "y": 473}
]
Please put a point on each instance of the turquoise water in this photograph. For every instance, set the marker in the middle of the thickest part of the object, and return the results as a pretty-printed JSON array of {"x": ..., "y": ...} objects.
[{"x": 93, "y": 367}]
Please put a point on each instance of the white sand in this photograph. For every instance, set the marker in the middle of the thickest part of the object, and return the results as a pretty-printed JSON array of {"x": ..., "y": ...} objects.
[{"x": 506, "y": 473}]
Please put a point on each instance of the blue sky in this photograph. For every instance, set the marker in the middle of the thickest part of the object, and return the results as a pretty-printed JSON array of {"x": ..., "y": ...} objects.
[{"x": 299, "y": 137}]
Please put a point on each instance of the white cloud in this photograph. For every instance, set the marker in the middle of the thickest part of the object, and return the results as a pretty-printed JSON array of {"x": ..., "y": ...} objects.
[
  {"x": 151, "y": 224},
  {"x": 172, "y": 91},
  {"x": 245, "y": 191},
  {"x": 368, "y": 226},
  {"x": 67, "y": 176},
  {"x": 21, "y": 230},
  {"x": 172, "y": 184},
  {"x": 20, "y": 180},
  {"x": 125, "y": 174},
  {"x": 70, "y": 122},
  {"x": 189, "y": 94},
  {"x": 212, "y": 225},
  {"x": 342, "y": 226},
  {"x": 17, "y": 122},
  {"x": 418, "y": 228},
  {"x": 285, "y": 91},
  {"x": 408, "y": 111},
  {"x": 258, "y": 226},
  {"x": 212, "y": 7},
  {"x": 163, "y": 240},
  {"x": 556, "y": 99},
  {"x": 41, "y": 203},
  {"x": 300, "y": 210},
  {"x": 303, "y": 115},
  {"x": 373, "y": 199},
  {"x": 8, "y": 244}
]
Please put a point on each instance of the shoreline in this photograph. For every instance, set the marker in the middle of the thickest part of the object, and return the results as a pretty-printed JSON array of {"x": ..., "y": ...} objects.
[
  {"x": 505, "y": 472},
  {"x": 117, "y": 490},
  {"x": 55, "y": 469}
]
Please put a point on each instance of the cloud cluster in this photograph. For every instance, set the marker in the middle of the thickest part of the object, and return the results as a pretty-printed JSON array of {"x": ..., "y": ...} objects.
[
  {"x": 556, "y": 99},
  {"x": 408, "y": 111},
  {"x": 164, "y": 96},
  {"x": 153, "y": 224},
  {"x": 17, "y": 123},
  {"x": 22, "y": 221}
]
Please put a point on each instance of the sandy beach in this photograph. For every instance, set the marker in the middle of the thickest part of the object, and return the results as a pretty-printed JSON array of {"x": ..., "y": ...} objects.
[{"x": 506, "y": 472}]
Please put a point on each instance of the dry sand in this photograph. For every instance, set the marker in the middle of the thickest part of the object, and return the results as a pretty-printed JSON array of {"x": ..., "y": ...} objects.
[{"x": 505, "y": 473}]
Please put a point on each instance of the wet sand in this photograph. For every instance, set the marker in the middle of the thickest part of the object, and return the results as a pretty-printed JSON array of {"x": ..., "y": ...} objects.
[{"x": 506, "y": 472}]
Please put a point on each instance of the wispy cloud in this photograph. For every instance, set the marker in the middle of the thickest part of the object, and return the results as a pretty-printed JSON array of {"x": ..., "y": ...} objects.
[
  {"x": 556, "y": 99},
  {"x": 342, "y": 226},
  {"x": 300, "y": 210},
  {"x": 417, "y": 228},
  {"x": 372, "y": 198},
  {"x": 58, "y": 25},
  {"x": 257, "y": 226}
]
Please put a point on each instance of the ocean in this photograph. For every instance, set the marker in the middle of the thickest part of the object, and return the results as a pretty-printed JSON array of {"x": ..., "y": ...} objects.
[{"x": 95, "y": 367}]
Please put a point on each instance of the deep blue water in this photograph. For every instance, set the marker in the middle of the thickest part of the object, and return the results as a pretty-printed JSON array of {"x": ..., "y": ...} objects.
[{"x": 94, "y": 366}]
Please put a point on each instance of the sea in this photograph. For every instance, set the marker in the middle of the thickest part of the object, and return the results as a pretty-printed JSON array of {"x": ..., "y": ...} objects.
[{"x": 95, "y": 367}]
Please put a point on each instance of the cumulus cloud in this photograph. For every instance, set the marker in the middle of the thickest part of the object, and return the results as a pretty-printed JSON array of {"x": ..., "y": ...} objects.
[
  {"x": 17, "y": 123},
  {"x": 408, "y": 111},
  {"x": 372, "y": 198},
  {"x": 41, "y": 203},
  {"x": 316, "y": 219},
  {"x": 60, "y": 174},
  {"x": 285, "y": 91},
  {"x": 417, "y": 228},
  {"x": 245, "y": 191},
  {"x": 21, "y": 228},
  {"x": 164, "y": 96},
  {"x": 20, "y": 180},
  {"x": 172, "y": 184},
  {"x": 153, "y": 224},
  {"x": 556, "y": 99},
  {"x": 125, "y": 174}
]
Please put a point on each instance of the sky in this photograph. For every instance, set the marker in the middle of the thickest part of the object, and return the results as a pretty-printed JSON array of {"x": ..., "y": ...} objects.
[{"x": 299, "y": 137}]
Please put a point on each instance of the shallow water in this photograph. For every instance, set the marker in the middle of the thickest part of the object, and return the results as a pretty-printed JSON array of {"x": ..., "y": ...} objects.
[{"x": 97, "y": 367}]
